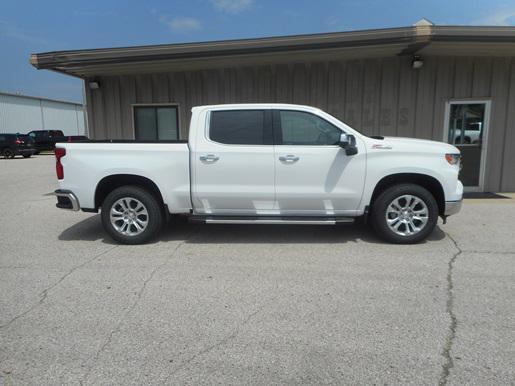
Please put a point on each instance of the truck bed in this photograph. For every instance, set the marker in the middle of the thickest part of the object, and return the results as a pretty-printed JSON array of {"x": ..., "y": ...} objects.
[{"x": 164, "y": 163}]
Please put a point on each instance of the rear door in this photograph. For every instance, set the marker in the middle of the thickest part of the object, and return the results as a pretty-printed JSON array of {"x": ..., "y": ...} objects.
[
  {"x": 314, "y": 176},
  {"x": 233, "y": 163}
]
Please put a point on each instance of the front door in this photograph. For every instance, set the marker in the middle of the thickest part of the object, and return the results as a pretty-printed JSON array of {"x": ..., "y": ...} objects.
[
  {"x": 467, "y": 129},
  {"x": 313, "y": 175},
  {"x": 233, "y": 164}
]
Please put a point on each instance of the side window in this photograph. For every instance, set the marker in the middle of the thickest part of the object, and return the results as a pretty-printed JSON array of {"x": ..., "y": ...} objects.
[
  {"x": 2, "y": 138},
  {"x": 32, "y": 135},
  {"x": 156, "y": 123},
  {"x": 301, "y": 128},
  {"x": 238, "y": 127}
]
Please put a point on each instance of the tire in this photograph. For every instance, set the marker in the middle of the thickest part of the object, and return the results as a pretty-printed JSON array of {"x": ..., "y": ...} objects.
[
  {"x": 8, "y": 153},
  {"x": 26, "y": 155},
  {"x": 122, "y": 215},
  {"x": 414, "y": 220}
]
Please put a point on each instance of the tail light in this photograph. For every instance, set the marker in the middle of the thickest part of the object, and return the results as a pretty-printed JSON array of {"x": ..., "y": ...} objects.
[
  {"x": 18, "y": 142},
  {"x": 59, "y": 152}
]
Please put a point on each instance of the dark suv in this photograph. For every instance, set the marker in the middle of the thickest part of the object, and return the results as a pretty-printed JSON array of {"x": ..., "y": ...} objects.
[
  {"x": 12, "y": 145},
  {"x": 45, "y": 140}
]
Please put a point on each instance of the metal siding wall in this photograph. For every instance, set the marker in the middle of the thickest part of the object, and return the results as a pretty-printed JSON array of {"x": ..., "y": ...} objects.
[
  {"x": 60, "y": 116},
  {"x": 376, "y": 96},
  {"x": 81, "y": 122},
  {"x": 507, "y": 147},
  {"x": 19, "y": 115},
  {"x": 23, "y": 114}
]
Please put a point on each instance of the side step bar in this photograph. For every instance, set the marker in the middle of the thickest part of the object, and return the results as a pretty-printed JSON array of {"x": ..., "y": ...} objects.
[{"x": 272, "y": 220}]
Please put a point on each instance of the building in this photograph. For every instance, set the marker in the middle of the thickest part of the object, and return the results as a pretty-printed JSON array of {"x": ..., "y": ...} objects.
[
  {"x": 446, "y": 83},
  {"x": 23, "y": 113}
]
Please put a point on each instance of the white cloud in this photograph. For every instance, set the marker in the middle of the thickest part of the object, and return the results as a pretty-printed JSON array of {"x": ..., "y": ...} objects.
[
  {"x": 232, "y": 6},
  {"x": 181, "y": 23},
  {"x": 503, "y": 17}
]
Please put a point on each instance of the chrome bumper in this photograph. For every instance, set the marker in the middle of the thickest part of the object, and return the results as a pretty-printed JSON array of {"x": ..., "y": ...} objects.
[
  {"x": 452, "y": 207},
  {"x": 66, "y": 200}
]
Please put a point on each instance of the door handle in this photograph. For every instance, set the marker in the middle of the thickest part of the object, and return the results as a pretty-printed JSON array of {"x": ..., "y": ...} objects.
[
  {"x": 209, "y": 158},
  {"x": 289, "y": 158}
]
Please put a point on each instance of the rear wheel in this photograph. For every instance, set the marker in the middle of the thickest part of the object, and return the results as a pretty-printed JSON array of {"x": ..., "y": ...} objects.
[
  {"x": 26, "y": 155},
  {"x": 131, "y": 215},
  {"x": 8, "y": 153},
  {"x": 404, "y": 214}
]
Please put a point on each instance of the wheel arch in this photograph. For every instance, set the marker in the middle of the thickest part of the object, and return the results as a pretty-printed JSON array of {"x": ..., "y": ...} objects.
[
  {"x": 109, "y": 183},
  {"x": 426, "y": 181}
]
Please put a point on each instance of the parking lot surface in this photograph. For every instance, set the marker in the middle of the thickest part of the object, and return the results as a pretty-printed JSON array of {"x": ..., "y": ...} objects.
[{"x": 249, "y": 304}]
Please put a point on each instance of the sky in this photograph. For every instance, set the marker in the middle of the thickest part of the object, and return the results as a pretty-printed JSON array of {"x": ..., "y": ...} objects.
[{"x": 41, "y": 26}]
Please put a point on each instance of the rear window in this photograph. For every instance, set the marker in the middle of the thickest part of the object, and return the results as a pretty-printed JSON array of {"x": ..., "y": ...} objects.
[{"x": 238, "y": 127}]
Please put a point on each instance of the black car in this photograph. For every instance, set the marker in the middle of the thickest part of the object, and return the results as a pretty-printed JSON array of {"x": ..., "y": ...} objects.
[
  {"x": 12, "y": 145},
  {"x": 46, "y": 139}
]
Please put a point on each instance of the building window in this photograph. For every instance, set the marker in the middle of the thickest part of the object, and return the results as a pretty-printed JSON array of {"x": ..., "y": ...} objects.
[
  {"x": 241, "y": 127},
  {"x": 156, "y": 123}
]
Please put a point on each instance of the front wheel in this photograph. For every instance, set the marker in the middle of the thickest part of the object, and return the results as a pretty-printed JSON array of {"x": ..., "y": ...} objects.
[
  {"x": 131, "y": 215},
  {"x": 26, "y": 155},
  {"x": 404, "y": 214}
]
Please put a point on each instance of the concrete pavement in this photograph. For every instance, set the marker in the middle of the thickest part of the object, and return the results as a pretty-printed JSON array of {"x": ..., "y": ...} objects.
[{"x": 249, "y": 304}]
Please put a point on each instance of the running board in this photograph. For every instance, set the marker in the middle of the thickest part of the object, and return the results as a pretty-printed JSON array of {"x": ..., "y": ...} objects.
[{"x": 272, "y": 220}]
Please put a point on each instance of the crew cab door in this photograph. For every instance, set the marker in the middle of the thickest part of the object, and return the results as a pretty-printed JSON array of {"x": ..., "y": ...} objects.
[
  {"x": 233, "y": 163},
  {"x": 314, "y": 176}
]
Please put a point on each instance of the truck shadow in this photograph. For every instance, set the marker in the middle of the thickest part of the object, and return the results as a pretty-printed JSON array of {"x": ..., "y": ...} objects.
[{"x": 91, "y": 229}]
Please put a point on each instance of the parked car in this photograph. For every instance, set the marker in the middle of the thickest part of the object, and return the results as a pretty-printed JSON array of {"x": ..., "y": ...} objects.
[
  {"x": 12, "y": 145},
  {"x": 45, "y": 140},
  {"x": 263, "y": 164}
]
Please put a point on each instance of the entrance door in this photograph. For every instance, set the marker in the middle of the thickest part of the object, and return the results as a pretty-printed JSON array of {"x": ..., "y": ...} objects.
[{"x": 466, "y": 127}]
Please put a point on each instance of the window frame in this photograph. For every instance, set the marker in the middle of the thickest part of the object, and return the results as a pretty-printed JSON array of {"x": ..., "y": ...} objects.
[
  {"x": 268, "y": 134},
  {"x": 278, "y": 133},
  {"x": 134, "y": 106}
]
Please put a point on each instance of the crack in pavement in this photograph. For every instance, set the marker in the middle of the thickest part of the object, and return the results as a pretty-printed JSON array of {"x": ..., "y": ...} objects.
[
  {"x": 44, "y": 294},
  {"x": 446, "y": 353},
  {"x": 127, "y": 312},
  {"x": 221, "y": 342},
  {"x": 475, "y": 251}
]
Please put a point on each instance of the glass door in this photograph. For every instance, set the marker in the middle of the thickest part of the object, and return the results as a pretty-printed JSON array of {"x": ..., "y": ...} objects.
[{"x": 466, "y": 128}]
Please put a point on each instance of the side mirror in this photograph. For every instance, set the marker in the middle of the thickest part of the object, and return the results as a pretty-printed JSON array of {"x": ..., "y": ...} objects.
[{"x": 348, "y": 142}]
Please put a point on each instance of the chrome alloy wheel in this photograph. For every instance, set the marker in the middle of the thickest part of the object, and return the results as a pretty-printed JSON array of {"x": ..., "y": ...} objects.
[
  {"x": 407, "y": 215},
  {"x": 129, "y": 216}
]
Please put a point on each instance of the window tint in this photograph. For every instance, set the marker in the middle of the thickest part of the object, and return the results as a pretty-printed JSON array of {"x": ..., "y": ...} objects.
[
  {"x": 241, "y": 127},
  {"x": 300, "y": 128},
  {"x": 154, "y": 123}
]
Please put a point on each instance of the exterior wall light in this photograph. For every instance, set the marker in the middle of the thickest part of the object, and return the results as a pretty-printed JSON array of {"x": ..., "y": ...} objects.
[
  {"x": 417, "y": 62},
  {"x": 94, "y": 85}
]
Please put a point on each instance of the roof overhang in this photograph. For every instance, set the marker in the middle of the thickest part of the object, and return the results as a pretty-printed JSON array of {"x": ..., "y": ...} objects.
[{"x": 416, "y": 40}]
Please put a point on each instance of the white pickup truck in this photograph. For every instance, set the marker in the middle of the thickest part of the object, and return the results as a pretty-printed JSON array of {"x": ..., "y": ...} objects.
[{"x": 263, "y": 164}]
